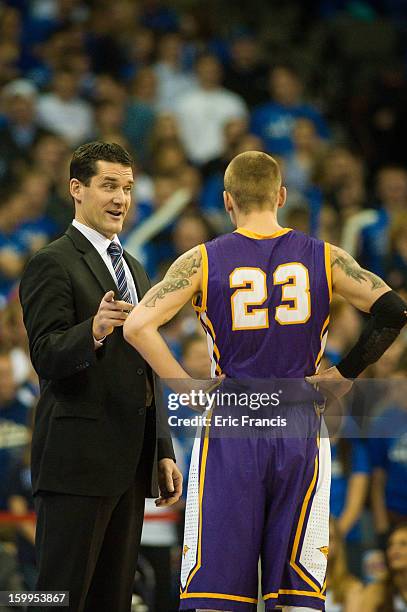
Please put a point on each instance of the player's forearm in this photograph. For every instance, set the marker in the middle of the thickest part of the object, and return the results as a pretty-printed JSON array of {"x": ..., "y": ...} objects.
[{"x": 151, "y": 346}]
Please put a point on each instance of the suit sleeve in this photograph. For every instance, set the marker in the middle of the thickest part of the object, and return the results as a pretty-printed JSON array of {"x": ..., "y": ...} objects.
[
  {"x": 165, "y": 449},
  {"x": 59, "y": 346}
]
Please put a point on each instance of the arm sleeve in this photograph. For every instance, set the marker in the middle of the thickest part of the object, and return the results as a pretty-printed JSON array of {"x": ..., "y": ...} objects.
[
  {"x": 59, "y": 346},
  {"x": 389, "y": 315}
]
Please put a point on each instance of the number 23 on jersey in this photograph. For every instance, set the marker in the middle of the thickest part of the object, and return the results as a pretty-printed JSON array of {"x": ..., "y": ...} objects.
[{"x": 251, "y": 292}]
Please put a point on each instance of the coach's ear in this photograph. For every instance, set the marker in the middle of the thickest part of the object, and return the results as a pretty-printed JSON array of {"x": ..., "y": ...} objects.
[
  {"x": 282, "y": 196},
  {"x": 75, "y": 188}
]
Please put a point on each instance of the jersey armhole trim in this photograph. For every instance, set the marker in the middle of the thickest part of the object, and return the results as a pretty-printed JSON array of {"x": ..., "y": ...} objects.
[
  {"x": 199, "y": 300},
  {"x": 328, "y": 269}
]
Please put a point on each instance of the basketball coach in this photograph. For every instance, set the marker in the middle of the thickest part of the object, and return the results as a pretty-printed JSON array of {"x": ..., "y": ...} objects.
[{"x": 96, "y": 454}]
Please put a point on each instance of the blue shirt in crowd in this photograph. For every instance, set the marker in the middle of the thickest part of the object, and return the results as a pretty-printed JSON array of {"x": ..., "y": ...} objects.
[
  {"x": 358, "y": 464},
  {"x": 274, "y": 124},
  {"x": 388, "y": 451}
]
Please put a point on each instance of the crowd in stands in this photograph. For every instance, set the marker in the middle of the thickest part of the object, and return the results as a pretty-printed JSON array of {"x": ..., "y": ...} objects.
[{"x": 320, "y": 85}]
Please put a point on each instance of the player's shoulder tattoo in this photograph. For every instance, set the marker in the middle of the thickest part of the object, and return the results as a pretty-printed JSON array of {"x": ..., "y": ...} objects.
[
  {"x": 178, "y": 276},
  {"x": 352, "y": 269}
]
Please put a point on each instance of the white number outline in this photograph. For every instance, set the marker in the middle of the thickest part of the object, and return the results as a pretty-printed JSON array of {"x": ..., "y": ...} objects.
[{"x": 241, "y": 288}]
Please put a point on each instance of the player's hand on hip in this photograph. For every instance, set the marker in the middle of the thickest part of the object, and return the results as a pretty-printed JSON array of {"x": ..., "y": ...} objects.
[
  {"x": 169, "y": 482},
  {"x": 111, "y": 313},
  {"x": 331, "y": 382}
]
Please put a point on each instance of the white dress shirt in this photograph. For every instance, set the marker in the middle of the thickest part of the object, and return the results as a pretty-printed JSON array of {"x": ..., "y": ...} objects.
[{"x": 101, "y": 244}]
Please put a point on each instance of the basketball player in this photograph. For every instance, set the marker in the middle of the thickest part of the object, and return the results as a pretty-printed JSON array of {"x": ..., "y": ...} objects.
[{"x": 262, "y": 294}]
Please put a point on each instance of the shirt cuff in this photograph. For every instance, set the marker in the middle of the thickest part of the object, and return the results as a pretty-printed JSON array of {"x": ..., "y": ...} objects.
[{"x": 99, "y": 343}]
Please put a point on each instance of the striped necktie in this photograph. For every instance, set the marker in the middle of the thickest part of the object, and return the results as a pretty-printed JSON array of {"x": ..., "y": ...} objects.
[{"x": 116, "y": 254}]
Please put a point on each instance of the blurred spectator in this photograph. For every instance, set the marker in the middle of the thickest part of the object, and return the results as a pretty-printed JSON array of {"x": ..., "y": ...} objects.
[
  {"x": 342, "y": 587},
  {"x": 15, "y": 407},
  {"x": 158, "y": 16},
  {"x": 173, "y": 80},
  {"x": 165, "y": 128},
  {"x": 37, "y": 228},
  {"x": 391, "y": 185},
  {"x": 391, "y": 190},
  {"x": 233, "y": 131},
  {"x": 20, "y": 130},
  {"x": 390, "y": 594},
  {"x": 13, "y": 252},
  {"x": 14, "y": 338},
  {"x": 141, "y": 111},
  {"x": 10, "y": 32},
  {"x": 386, "y": 116},
  {"x": 190, "y": 230},
  {"x": 349, "y": 487},
  {"x": 274, "y": 121},
  {"x": 109, "y": 119},
  {"x": 203, "y": 113},
  {"x": 388, "y": 455},
  {"x": 195, "y": 356},
  {"x": 246, "y": 72},
  {"x": 190, "y": 178},
  {"x": 140, "y": 52},
  {"x": 48, "y": 155},
  {"x": 64, "y": 112},
  {"x": 20, "y": 503},
  {"x": 345, "y": 326},
  {"x": 168, "y": 158},
  {"x": 307, "y": 149},
  {"x": 396, "y": 267},
  {"x": 338, "y": 166},
  {"x": 298, "y": 218},
  {"x": 374, "y": 565},
  {"x": 159, "y": 251},
  {"x": 237, "y": 140}
]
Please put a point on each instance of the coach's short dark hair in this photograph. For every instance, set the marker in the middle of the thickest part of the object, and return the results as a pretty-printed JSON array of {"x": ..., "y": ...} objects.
[{"x": 84, "y": 158}]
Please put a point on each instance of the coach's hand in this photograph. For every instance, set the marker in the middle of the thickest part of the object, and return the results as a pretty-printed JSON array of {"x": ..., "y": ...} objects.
[
  {"x": 112, "y": 313},
  {"x": 169, "y": 482}
]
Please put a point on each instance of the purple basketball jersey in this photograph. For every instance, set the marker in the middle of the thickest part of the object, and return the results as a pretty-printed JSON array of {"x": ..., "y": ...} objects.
[{"x": 265, "y": 303}]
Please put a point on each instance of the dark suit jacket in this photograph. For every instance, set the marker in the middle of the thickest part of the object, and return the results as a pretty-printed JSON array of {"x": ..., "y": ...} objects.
[{"x": 91, "y": 421}]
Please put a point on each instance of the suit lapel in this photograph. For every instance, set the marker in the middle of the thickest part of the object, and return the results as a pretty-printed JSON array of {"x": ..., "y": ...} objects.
[
  {"x": 93, "y": 260},
  {"x": 140, "y": 280}
]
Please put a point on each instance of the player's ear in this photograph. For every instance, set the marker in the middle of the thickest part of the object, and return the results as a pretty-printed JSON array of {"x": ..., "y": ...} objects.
[
  {"x": 75, "y": 188},
  {"x": 282, "y": 196},
  {"x": 227, "y": 199}
]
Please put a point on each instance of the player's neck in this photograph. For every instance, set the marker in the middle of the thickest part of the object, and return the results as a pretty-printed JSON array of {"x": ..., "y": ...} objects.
[{"x": 260, "y": 222}]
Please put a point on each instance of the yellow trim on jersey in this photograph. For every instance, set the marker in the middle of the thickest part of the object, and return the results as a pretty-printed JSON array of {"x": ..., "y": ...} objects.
[
  {"x": 204, "y": 292},
  {"x": 201, "y": 492},
  {"x": 218, "y": 596},
  {"x": 300, "y": 526},
  {"x": 250, "y": 234},
  {"x": 321, "y": 350},
  {"x": 328, "y": 269},
  {"x": 293, "y": 592}
]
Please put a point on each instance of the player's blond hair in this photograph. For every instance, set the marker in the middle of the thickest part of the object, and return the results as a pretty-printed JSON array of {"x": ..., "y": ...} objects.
[{"x": 253, "y": 179}]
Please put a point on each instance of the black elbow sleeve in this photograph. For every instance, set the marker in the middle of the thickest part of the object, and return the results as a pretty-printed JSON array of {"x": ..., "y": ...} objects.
[
  {"x": 389, "y": 315},
  {"x": 390, "y": 311}
]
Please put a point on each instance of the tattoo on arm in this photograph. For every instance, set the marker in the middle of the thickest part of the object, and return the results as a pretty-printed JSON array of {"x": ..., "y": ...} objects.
[
  {"x": 353, "y": 270},
  {"x": 177, "y": 277}
]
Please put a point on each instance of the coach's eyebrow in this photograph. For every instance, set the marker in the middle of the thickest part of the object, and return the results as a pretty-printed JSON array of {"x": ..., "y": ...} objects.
[{"x": 114, "y": 179}]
